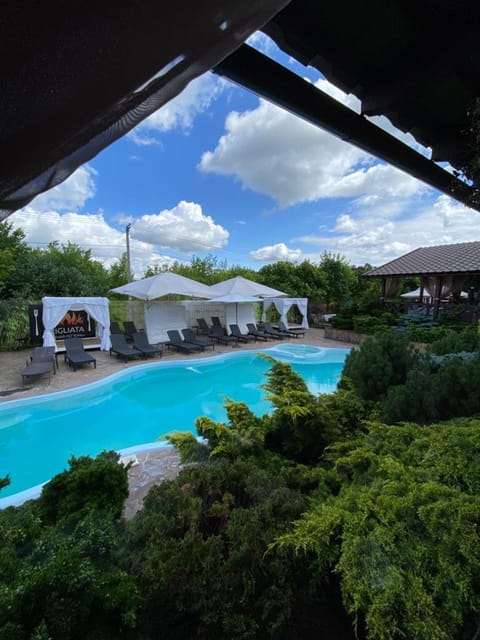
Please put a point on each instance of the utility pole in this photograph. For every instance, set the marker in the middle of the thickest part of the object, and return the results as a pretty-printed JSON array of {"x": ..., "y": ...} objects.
[{"x": 127, "y": 235}]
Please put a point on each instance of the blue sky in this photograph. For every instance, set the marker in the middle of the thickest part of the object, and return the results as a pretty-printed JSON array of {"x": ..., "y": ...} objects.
[{"x": 218, "y": 171}]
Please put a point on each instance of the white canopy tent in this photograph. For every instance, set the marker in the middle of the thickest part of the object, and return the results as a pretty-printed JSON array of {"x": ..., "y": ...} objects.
[
  {"x": 55, "y": 308},
  {"x": 282, "y": 305},
  {"x": 164, "y": 284},
  {"x": 243, "y": 287},
  {"x": 238, "y": 310},
  {"x": 162, "y": 316},
  {"x": 427, "y": 296},
  {"x": 416, "y": 294}
]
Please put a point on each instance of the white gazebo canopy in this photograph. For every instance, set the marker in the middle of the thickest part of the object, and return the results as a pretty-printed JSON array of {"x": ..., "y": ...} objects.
[
  {"x": 55, "y": 308},
  {"x": 164, "y": 284},
  {"x": 244, "y": 287},
  {"x": 160, "y": 316},
  {"x": 282, "y": 305}
]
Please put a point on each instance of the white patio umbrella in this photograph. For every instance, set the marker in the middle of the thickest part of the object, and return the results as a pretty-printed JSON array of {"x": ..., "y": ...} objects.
[
  {"x": 243, "y": 287},
  {"x": 415, "y": 294},
  {"x": 236, "y": 299},
  {"x": 164, "y": 284}
]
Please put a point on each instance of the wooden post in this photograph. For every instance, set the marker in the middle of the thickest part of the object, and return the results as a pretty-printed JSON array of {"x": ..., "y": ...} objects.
[
  {"x": 436, "y": 297},
  {"x": 383, "y": 289}
]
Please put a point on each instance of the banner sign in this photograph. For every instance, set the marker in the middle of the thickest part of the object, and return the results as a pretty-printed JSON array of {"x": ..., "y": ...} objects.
[
  {"x": 36, "y": 324},
  {"x": 75, "y": 323}
]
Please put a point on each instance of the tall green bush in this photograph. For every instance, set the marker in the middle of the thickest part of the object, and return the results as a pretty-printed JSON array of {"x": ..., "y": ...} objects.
[
  {"x": 14, "y": 323},
  {"x": 381, "y": 362}
]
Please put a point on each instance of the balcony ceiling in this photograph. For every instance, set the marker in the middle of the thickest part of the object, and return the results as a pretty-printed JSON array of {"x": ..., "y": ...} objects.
[{"x": 77, "y": 77}]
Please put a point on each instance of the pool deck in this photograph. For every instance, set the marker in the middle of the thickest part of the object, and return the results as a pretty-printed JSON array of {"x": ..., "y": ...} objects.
[{"x": 154, "y": 465}]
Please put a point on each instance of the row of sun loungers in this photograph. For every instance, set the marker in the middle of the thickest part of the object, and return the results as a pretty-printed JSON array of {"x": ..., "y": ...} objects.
[{"x": 44, "y": 359}]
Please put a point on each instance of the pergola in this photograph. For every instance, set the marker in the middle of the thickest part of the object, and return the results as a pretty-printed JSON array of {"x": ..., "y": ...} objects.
[{"x": 443, "y": 270}]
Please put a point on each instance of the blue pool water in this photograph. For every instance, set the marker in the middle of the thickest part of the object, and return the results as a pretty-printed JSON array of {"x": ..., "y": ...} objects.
[{"x": 139, "y": 405}]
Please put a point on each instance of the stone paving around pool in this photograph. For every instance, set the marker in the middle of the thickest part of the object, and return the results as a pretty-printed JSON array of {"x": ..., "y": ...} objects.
[{"x": 155, "y": 465}]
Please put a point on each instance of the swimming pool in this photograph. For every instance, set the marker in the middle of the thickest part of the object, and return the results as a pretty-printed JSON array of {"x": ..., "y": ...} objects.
[{"x": 138, "y": 405}]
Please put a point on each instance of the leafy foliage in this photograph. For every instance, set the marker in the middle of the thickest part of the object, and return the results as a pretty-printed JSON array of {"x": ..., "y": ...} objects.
[
  {"x": 436, "y": 391},
  {"x": 402, "y": 532},
  {"x": 14, "y": 327},
  {"x": 468, "y": 339},
  {"x": 381, "y": 362},
  {"x": 60, "y": 575},
  {"x": 199, "y": 552},
  {"x": 306, "y": 522},
  {"x": 399, "y": 384},
  {"x": 98, "y": 484}
]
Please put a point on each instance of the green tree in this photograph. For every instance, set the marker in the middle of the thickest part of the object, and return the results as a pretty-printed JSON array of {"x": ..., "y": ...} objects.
[
  {"x": 118, "y": 273},
  {"x": 98, "y": 484},
  {"x": 283, "y": 276},
  {"x": 380, "y": 363},
  {"x": 340, "y": 279},
  {"x": 59, "y": 270},
  {"x": 12, "y": 251}
]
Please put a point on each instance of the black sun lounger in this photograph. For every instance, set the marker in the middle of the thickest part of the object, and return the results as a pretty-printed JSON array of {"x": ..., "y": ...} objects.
[
  {"x": 121, "y": 348},
  {"x": 242, "y": 337},
  {"x": 270, "y": 331},
  {"x": 115, "y": 328},
  {"x": 141, "y": 343},
  {"x": 41, "y": 362},
  {"x": 203, "y": 327},
  {"x": 191, "y": 338},
  {"x": 129, "y": 329},
  {"x": 218, "y": 334},
  {"x": 259, "y": 335},
  {"x": 293, "y": 333},
  {"x": 175, "y": 341},
  {"x": 75, "y": 354}
]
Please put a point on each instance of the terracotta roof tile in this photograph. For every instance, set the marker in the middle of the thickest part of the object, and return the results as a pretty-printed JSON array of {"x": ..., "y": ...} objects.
[{"x": 463, "y": 257}]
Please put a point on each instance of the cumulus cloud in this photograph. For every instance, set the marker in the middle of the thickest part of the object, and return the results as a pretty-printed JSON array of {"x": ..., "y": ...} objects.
[
  {"x": 371, "y": 235},
  {"x": 69, "y": 195},
  {"x": 184, "y": 228},
  {"x": 181, "y": 111},
  {"x": 89, "y": 231},
  {"x": 276, "y": 252},
  {"x": 345, "y": 223},
  {"x": 275, "y": 153}
]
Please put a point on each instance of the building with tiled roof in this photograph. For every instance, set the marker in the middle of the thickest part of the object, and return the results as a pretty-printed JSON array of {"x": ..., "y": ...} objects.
[
  {"x": 443, "y": 269},
  {"x": 447, "y": 259}
]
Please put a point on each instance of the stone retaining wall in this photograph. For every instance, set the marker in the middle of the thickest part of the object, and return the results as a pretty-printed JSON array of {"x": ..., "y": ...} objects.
[{"x": 344, "y": 335}]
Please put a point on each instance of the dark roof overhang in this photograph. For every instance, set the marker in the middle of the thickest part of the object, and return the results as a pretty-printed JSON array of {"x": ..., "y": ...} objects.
[
  {"x": 77, "y": 77},
  {"x": 275, "y": 83}
]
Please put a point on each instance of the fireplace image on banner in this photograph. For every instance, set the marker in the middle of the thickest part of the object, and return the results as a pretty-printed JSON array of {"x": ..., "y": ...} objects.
[{"x": 75, "y": 323}]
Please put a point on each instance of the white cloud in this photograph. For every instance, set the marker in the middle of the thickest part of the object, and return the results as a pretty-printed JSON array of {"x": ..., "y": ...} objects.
[
  {"x": 69, "y": 195},
  {"x": 275, "y": 153},
  {"x": 88, "y": 231},
  {"x": 345, "y": 223},
  {"x": 181, "y": 111},
  {"x": 184, "y": 228},
  {"x": 371, "y": 235},
  {"x": 276, "y": 252}
]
